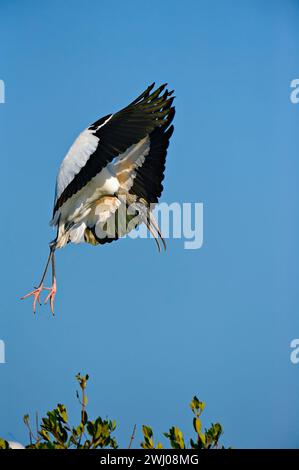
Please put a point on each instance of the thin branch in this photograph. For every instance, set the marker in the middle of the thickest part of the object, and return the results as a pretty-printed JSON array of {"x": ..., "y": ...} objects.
[
  {"x": 132, "y": 436},
  {"x": 31, "y": 435},
  {"x": 36, "y": 422}
]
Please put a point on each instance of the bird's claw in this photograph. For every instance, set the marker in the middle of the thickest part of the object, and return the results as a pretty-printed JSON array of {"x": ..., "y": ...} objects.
[
  {"x": 51, "y": 296},
  {"x": 36, "y": 294}
]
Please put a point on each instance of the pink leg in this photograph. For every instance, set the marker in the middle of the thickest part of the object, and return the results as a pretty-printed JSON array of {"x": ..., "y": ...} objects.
[
  {"x": 38, "y": 290},
  {"x": 52, "y": 292},
  {"x": 36, "y": 293}
]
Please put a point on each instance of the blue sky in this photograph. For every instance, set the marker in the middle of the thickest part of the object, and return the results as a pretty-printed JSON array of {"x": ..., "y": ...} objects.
[{"x": 153, "y": 330}]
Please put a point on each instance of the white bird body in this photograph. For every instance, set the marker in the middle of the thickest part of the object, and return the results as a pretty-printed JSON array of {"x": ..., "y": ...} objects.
[{"x": 114, "y": 166}]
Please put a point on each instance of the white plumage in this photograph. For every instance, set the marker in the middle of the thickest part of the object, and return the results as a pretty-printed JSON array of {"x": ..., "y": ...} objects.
[{"x": 77, "y": 156}]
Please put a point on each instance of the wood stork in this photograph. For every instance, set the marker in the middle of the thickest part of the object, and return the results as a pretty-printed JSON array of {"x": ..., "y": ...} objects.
[{"x": 116, "y": 164}]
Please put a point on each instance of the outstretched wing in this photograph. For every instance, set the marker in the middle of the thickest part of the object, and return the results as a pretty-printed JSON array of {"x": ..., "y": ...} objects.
[
  {"x": 141, "y": 181},
  {"x": 110, "y": 137}
]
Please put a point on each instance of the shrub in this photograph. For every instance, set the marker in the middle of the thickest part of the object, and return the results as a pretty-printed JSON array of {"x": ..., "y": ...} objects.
[{"x": 55, "y": 431}]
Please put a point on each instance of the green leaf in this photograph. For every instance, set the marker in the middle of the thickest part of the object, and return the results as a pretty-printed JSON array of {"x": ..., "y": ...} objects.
[
  {"x": 44, "y": 434},
  {"x": 197, "y": 406},
  {"x": 148, "y": 442},
  {"x": 197, "y": 425},
  {"x": 90, "y": 428},
  {"x": 4, "y": 444},
  {"x": 193, "y": 444},
  {"x": 147, "y": 431},
  {"x": 176, "y": 438},
  {"x": 62, "y": 412},
  {"x": 112, "y": 425},
  {"x": 179, "y": 438},
  {"x": 82, "y": 380},
  {"x": 79, "y": 429},
  {"x": 113, "y": 443},
  {"x": 84, "y": 417},
  {"x": 63, "y": 435}
]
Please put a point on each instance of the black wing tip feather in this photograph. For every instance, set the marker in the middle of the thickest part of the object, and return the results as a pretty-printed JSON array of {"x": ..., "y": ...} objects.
[
  {"x": 153, "y": 106},
  {"x": 144, "y": 94},
  {"x": 147, "y": 97}
]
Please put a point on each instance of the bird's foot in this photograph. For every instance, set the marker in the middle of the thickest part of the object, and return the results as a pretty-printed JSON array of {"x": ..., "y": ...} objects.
[
  {"x": 51, "y": 296},
  {"x": 36, "y": 296}
]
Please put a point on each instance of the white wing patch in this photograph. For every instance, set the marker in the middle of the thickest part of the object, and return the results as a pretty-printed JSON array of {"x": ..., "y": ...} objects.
[
  {"x": 125, "y": 165},
  {"x": 77, "y": 156}
]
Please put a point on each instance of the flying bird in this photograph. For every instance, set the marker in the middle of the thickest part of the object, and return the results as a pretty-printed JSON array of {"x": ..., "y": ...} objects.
[{"x": 111, "y": 178}]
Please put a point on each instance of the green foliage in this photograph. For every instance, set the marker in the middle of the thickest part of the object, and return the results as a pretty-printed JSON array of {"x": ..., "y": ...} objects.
[
  {"x": 209, "y": 439},
  {"x": 176, "y": 438},
  {"x": 55, "y": 431},
  {"x": 148, "y": 442},
  {"x": 3, "y": 444}
]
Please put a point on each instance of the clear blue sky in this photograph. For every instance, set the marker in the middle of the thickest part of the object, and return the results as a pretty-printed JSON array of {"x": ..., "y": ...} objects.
[{"x": 153, "y": 330}]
